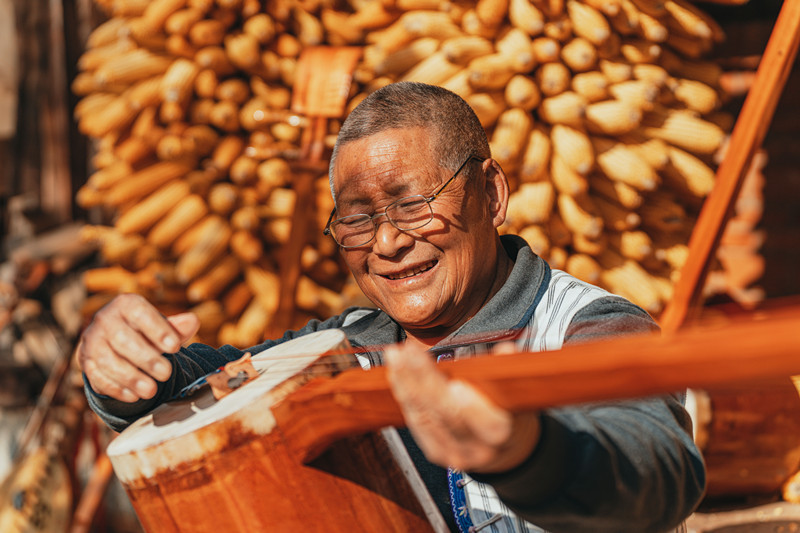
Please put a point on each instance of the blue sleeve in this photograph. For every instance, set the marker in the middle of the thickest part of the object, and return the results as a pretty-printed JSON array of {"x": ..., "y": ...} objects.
[
  {"x": 610, "y": 466},
  {"x": 189, "y": 364}
]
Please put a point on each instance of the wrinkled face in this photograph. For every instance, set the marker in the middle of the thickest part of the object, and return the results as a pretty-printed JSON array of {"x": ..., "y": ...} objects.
[{"x": 433, "y": 278}]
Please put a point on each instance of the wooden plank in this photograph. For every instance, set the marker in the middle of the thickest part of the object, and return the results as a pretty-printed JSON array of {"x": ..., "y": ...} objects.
[
  {"x": 755, "y": 349},
  {"x": 747, "y": 137}
]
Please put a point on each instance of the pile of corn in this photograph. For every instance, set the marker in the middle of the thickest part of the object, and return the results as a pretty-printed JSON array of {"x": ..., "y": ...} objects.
[{"x": 601, "y": 112}]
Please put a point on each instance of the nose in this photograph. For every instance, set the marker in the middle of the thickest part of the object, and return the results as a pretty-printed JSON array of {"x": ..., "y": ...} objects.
[{"x": 389, "y": 240}]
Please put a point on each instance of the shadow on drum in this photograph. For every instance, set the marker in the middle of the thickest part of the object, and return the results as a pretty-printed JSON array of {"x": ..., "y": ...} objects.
[{"x": 180, "y": 409}]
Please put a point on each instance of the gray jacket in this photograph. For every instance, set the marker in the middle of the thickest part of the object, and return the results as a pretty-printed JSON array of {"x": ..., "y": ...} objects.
[{"x": 611, "y": 466}]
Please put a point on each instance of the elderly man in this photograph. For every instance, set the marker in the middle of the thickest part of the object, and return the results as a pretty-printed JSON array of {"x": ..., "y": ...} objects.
[{"x": 418, "y": 204}]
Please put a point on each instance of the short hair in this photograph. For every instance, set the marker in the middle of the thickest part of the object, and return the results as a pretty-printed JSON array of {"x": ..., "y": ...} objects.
[{"x": 457, "y": 131}]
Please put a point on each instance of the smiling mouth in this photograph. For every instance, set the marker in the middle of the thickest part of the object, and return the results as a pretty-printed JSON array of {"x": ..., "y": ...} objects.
[{"x": 412, "y": 271}]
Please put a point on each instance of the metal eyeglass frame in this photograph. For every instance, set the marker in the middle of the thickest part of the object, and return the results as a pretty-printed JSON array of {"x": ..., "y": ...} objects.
[{"x": 426, "y": 199}]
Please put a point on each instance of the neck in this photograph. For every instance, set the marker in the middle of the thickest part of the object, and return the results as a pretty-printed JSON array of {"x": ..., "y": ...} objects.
[{"x": 428, "y": 337}]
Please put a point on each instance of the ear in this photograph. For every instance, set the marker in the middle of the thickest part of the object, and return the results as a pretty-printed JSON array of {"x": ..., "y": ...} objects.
[{"x": 497, "y": 191}]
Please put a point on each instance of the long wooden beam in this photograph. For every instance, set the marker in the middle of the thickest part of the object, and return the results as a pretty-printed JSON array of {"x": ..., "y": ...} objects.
[
  {"x": 748, "y": 135},
  {"x": 759, "y": 348}
]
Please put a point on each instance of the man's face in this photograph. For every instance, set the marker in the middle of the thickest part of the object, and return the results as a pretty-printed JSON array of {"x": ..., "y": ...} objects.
[{"x": 433, "y": 278}]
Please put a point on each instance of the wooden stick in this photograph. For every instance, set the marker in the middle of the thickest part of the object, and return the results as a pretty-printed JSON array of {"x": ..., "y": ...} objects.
[
  {"x": 703, "y": 357},
  {"x": 748, "y": 134},
  {"x": 92, "y": 495}
]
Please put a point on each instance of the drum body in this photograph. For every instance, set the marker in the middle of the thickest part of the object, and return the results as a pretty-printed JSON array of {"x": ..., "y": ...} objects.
[
  {"x": 750, "y": 439},
  {"x": 200, "y": 465}
]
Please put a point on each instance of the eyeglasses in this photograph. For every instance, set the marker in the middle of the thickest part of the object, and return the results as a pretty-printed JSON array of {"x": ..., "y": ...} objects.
[{"x": 409, "y": 213}]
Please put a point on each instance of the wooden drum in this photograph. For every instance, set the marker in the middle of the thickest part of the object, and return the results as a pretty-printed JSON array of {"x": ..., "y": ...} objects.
[
  {"x": 200, "y": 465},
  {"x": 750, "y": 439}
]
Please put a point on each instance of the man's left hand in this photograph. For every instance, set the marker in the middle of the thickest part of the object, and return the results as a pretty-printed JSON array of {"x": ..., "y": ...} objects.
[{"x": 453, "y": 423}]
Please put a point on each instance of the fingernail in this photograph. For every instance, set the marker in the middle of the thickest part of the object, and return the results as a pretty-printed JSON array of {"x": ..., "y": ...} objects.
[
  {"x": 162, "y": 368},
  {"x": 170, "y": 341},
  {"x": 142, "y": 387}
]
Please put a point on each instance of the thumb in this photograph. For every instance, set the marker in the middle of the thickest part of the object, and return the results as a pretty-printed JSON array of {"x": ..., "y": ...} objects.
[{"x": 185, "y": 324}]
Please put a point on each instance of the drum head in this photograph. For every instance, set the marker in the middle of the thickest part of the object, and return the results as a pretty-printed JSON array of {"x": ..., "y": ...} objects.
[{"x": 185, "y": 430}]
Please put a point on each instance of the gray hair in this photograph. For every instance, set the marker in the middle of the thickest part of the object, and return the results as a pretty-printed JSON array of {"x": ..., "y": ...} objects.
[{"x": 457, "y": 130}]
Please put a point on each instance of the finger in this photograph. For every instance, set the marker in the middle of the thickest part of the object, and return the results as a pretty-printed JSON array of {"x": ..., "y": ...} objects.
[
  {"x": 131, "y": 346},
  {"x": 101, "y": 384},
  {"x": 487, "y": 422},
  {"x": 413, "y": 376},
  {"x": 121, "y": 372},
  {"x": 185, "y": 324},
  {"x": 505, "y": 347},
  {"x": 142, "y": 316}
]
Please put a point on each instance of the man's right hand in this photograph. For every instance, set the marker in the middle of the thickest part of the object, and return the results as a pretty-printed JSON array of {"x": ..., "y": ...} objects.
[{"x": 121, "y": 350}]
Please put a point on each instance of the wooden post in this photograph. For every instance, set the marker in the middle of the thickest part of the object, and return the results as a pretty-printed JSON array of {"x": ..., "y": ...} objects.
[{"x": 748, "y": 134}]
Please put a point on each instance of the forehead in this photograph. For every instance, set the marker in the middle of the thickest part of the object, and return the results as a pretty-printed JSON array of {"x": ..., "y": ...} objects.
[{"x": 386, "y": 164}]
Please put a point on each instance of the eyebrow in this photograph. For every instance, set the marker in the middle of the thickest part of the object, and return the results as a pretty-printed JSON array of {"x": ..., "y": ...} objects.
[{"x": 398, "y": 190}]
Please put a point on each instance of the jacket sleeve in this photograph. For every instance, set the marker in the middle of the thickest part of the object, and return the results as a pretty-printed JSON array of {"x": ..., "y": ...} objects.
[
  {"x": 610, "y": 466},
  {"x": 189, "y": 364}
]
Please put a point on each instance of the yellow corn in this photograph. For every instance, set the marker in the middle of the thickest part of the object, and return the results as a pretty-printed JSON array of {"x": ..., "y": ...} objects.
[
  {"x": 243, "y": 50},
  {"x": 545, "y": 49},
  {"x": 509, "y": 136},
  {"x": 246, "y": 246},
  {"x": 465, "y": 48},
  {"x": 207, "y": 32},
  {"x": 558, "y": 231},
  {"x": 308, "y": 27},
  {"x": 640, "y": 51},
  {"x": 579, "y": 54},
  {"x": 214, "y": 58},
  {"x": 557, "y": 257},
  {"x": 118, "y": 114},
  {"x": 638, "y": 93},
  {"x": 612, "y": 117},
  {"x": 524, "y": 15},
  {"x": 592, "y": 86},
  {"x": 151, "y": 209},
  {"x": 131, "y": 66},
  {"x": 430, "y": 24},
  {"x": 553, "y": 78},
  {"x": 616, "y": 71},
  {"x": 491, "y": 12},
  {"x": 532, "y": 203},
  {"x": 636, "y": 245},
  {"x": 583, "y": 267},
  {"x": 587, "y": 22},
  {"x": 617, "y": 191},
  {"x": 688, "y": 174},
  {"x": 516, "y": 45},
  {"x": 522, "y": 92},
  {"x": 620, "y": 163},
  {"x": 490, "y": 72},
  {"x": 178, "y": 80},
  {"x": 696, "y": 95},
  {"x": 565, "y": 108},
  {"x": 536, "y": 158},
  {"x": 434, "y": 70},
  {"x": 579, "y": 215},
  {"x": 205, "y": 252},
  {"x": 179, "y": 22},
  {"x": 188, "y": 212},
  {"x": 404, "y": 59},
  {"x": 663, "y": 213},
  {"x": 537, "y": 239},
  {"x": 654, "y": 151},
  {"x": 565, "y": 178},
  {"x": 615, "y": 216},
  {"x": 684, "y": 131},
  {"x": 574, "y": 147}
]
